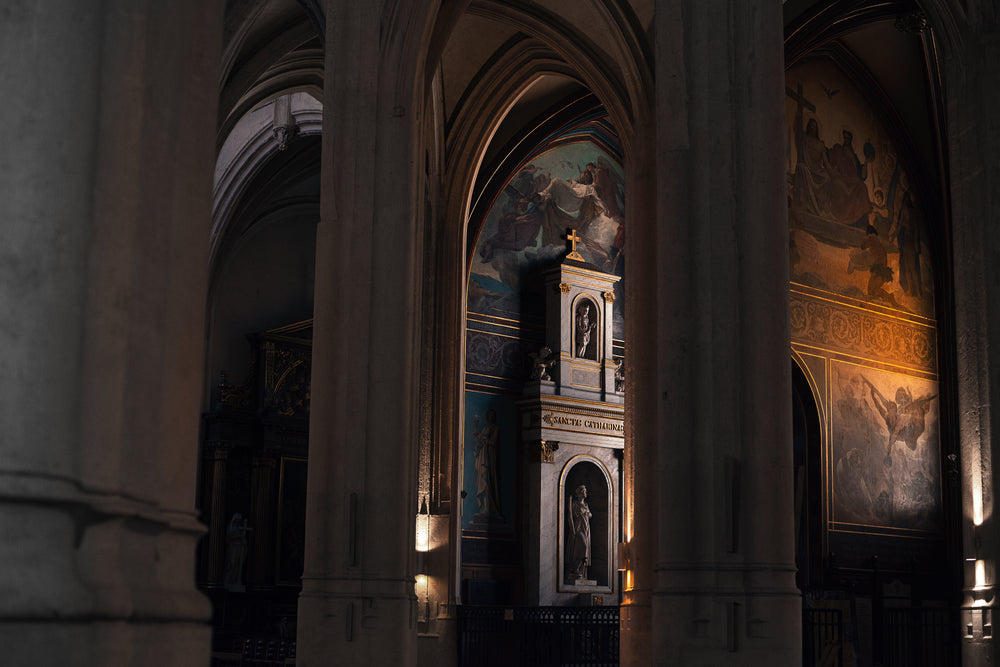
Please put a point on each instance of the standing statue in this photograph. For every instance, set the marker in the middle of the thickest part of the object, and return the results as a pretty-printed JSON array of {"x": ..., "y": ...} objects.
[
  {"x": 584, "y": 327},
  {"x": 236, "y": 551},
  {"x": 578, "y": 548},
  {"x": 487, "y": 473}
]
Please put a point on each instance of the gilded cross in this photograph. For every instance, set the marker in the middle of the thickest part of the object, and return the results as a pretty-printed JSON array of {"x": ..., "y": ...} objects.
[{"x": 573, "y": 239}]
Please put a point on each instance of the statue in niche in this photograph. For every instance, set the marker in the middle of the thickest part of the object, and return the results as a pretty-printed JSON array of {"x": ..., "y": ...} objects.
[
  {"x": 584, "y": 328},
  {"x": 542, "y": 362},
  {"x": 487, "y": 473},
  {"x": 236, "y": 552},
  {"x": 578, "y": 538},
  {"x": 620, "y": 375}
]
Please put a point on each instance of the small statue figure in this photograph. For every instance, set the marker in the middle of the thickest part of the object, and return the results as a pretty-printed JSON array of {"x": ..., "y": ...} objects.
[
  {"x": 584, "y": 327},
  {"x": 236, "y": 552},
  {"x": 620, "y": 376},
  {"x": 578, "y": 520},
  {"x": 542, "y": 361}
]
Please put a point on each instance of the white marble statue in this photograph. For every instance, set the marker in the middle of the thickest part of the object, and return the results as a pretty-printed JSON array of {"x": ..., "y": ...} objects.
[
  {"x": 584, "y": 327},
  {"x": 578, "y": 548}
]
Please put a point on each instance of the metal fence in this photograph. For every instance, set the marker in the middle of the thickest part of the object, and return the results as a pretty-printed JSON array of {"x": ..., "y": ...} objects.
[
  {"x": 901, "y": 637},
  {"x": 256, "y": 653},
  {"x": 822, "y": 638},
  {"x": 920, "y": 637},
  {"x": 538, "y": 636}
]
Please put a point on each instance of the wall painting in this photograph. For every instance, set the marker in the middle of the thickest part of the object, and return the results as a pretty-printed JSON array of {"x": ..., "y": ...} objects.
[
  {"x": 490, "y": 456},
  {"x": 857, "y": 226},
  {"x": 884, "y": 463},
  {"x": 575, "y": 185}
]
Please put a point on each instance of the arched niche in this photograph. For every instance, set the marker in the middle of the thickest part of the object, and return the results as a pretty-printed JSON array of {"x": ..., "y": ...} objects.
[{"x": 589, "y": 472}]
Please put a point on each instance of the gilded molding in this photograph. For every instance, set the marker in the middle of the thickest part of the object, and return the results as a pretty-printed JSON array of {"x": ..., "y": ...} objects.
[{"x": 841, "y": 328}]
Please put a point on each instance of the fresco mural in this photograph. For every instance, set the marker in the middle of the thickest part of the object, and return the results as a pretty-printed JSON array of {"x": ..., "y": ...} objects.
[
  {"x": 490, "y": 443},
  {"x": 573, "y": 186},
  {"x": 856, "y": 226},
  {"x": 885, "y": 457}
]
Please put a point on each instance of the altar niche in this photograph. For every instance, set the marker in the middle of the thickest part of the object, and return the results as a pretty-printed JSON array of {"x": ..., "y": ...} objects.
[
  {"x": 586, "y": 332},
  {"x": 578, "y": 357},
  {"x": 586, "y": 522}
]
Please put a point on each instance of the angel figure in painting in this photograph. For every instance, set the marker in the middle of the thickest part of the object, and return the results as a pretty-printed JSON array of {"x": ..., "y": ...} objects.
[
  {"x": 578, "y": 548},
  {"x": 905, "y": 418}
]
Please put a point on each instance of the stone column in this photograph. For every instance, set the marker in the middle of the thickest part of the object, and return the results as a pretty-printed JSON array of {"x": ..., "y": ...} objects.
[
  {"x": 972, "y": 68},
  {"x": 105, "y": 194},
  {"x": 712, "y": 451},
  {"x": 357, "y": 600}
]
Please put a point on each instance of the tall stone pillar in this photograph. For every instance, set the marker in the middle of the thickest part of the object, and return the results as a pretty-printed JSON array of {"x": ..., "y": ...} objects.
[
  {"x": 713, "y": 581},
  {"x": 105, "y": 194},
  {"x": 357, "y": 601},
  {"x": 972, "y": 68}
]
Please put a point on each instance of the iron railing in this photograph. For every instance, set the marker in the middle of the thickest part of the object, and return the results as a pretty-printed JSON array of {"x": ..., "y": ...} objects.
[{"x": 538, "y": 636}]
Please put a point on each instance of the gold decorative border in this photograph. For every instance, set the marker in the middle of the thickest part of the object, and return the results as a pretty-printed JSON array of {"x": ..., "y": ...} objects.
[{"x": 836, "y": 327}]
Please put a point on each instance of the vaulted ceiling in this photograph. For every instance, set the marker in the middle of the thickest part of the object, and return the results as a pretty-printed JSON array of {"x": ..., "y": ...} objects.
[{"x": 274, "y": 46}]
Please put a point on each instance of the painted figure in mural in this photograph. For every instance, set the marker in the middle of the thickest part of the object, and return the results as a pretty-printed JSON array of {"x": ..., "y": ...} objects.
[
  {"x": 578, "y": 524},
  {"x": 608, "y": 189},
  {"x": 517, "y": 229},
  {"x": 906, "y": 234},
  {"x": 570, "y": 204},
  {"x": 850, "y": 204},
  {"x": 871, "y": 485},
  {"x": 812, "y": 179},
  {"x": 879, "y": 215},
  {"x": 858, "y": 482},
  {"x": 487, "y": 473},
  {"x": 879, "y": 271},
  {"x": 236, "y": 550},
  {"x": 584, "y": 327},
  {"x": 905, "y": 418}
]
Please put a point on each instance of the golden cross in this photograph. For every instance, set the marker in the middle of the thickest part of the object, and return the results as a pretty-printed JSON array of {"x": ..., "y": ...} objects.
[{"x": 573, "y": 240}]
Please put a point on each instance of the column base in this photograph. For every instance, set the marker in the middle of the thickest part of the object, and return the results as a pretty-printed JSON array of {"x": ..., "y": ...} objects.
[
  {"x": 104, "y": 643},
  {"x": 373, "y": 623}
]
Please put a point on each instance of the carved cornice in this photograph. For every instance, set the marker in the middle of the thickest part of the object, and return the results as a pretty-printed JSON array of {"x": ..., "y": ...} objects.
[{"x": 841, "y": 328}]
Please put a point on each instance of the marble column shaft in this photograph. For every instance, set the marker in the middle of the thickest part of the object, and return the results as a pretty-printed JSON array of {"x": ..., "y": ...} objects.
[
  {"x": 105, "y": 194},
  {"x": 712, "y": 446}
]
